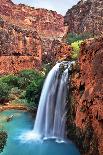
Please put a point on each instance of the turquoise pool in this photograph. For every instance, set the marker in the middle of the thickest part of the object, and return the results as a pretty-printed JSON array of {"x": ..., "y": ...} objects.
[{"x": 22, "y": 123}]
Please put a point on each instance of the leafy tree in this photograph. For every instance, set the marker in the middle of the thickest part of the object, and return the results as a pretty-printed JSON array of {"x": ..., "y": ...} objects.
[
  {"x": 10, "y": 80},
  {"x": 4, "y": 92},
  {"x": 73, "y": 37},
  {"x": 27, "y": 76},
  {"x": 33, "y": 92}
]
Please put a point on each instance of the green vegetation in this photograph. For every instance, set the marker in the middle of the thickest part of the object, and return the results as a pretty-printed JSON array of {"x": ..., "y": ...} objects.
[
  {"x": 76, "y": 48},
  {"x": 4, "y": 92},
  {"x": 3, "y": 139},
  {"x": 10, "y": 80},
  {"x": 75, "y": 41},
  {"x": 33, "y": 92},
  {"x": 24, "y": 88},
  {"x": 73, "y": 37}
]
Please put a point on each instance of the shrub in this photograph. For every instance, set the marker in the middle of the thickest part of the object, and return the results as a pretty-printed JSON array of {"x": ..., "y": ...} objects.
[
  {"x": 4, "y": 92},
  {"x": 76, "y": 49},
  {"x": 73, "y": 37},
  {"x": 15, "y": 93},
  {"x": 3, "y": 139},
  {"x": 10, "y": 80},
  {"x": 27, "y": 76},
  {"x": 33, "y": 92}
]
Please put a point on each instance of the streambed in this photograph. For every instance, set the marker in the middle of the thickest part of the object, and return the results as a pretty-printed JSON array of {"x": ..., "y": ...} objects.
[{"x": 23, "y": 122}]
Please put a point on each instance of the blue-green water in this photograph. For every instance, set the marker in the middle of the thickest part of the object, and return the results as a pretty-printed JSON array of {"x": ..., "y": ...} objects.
[{"x": 21, "y": 123}]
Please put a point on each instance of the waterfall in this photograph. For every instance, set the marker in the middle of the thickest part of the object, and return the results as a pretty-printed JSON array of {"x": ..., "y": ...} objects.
[{"x": 51, "y": 115}]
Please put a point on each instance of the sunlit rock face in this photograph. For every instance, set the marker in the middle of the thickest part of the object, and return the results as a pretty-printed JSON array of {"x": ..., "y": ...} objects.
[
  {"x": 86, "y": 16},
  {"x": 24, "y": 35},
  {"x": 87, "y": 97},
  {"x": 46, "y": 22}
]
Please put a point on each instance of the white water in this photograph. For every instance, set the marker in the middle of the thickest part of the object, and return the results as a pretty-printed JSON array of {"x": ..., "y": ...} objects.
[{"x": 51, "y": 115}]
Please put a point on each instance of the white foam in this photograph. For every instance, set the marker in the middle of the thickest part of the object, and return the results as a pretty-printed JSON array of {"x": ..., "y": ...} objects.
[{"x": 29, "y": 137}]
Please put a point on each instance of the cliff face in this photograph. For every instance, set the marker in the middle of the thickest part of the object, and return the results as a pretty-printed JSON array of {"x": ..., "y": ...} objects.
[
  {"x": 19, "y": 48},
  {"x": 46, "y": 23},
  {"x": 25, "y": 35},
  {"x": 55, "y": 50},
  {"x": 87, "y": 99},
  {"x": 86, "y": 16}
]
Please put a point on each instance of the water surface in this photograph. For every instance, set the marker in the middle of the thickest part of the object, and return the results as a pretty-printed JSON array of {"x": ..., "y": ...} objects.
[{"x": 22, "y": 123}]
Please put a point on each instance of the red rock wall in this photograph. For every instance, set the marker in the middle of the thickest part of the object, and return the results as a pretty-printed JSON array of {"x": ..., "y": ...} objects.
[
  {"x": 28, "y": 33},
  {"x": 47, "y": 23},
  {"x": 88, "y": 94},
  {"x": 86, "y": 16},
  {"x": 19, "y": 48},
  {"x": 55, "y": 50}
]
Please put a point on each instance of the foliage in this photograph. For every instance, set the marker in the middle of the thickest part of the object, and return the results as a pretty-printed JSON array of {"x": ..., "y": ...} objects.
[
  {"x": 27, "y": 76},
  {"x": 73, "y": 37},
  {"x": 47, "y": 68},
  {"x": 15, "y": 93},
  {"x": 33, "y": 91},
  {"x": 4, "y": 92},
  {"x": 26, "y": 85},
  {"x": 10, "y": 80},
  {"x": 76, "y": 49},
  {"x": 3, "y": 139}
]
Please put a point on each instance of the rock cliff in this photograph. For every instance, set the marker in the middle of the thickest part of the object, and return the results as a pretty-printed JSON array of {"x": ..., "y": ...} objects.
[
  {"x": 86, "y": 16},
  {"x": 85, "y": 121},
  {"x": 47, "y": 23},
  {"x": 26, "y": 34}
]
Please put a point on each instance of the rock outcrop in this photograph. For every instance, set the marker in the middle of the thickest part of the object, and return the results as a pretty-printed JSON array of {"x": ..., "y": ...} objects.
[
  {"x": 86, "y": 16},
  {"x": 57, "y": 51},
  {"x": 86, "y": 109},
  {"x": 26, "y": 34},
  {"x": 19, "y": 48}
]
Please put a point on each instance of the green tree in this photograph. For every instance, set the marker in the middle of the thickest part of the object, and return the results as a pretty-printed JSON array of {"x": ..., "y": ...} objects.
[
  {"x": 4, "y": 92},
  {"x": 10, "y": 80},
  {"x": 27, "y": 76},
  {"x": 33, "y": 92}
]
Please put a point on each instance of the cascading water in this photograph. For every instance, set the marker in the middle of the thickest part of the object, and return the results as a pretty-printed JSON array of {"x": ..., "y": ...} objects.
[{"x": 51, "y": 114}]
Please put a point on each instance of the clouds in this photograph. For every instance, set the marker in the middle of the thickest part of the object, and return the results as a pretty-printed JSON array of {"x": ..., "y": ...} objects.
[{"x": 61, "y": 6}]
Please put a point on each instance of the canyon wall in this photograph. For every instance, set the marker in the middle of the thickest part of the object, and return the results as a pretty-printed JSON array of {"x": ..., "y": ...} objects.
[
  {"x": 85, "y": 123},
  {"x": 86, "y": 16},
  {"x": 19, "y": 48},
  {"x": 47, "y": 23},
  {"x": 26, "y": 34}
]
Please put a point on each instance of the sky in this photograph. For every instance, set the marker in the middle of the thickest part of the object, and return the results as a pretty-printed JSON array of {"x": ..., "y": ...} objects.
[{"x": 61, "y": 6}]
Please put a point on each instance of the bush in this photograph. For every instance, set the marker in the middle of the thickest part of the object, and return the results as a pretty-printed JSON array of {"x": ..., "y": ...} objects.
[
  {"x": 10, "y": 80},
  {"x": 33, "y": 92},
  {"x": 4, "y": 92},
  {"x": 76, "y": 49},
  {"x": 73, "y": 37},
  {"x": 27, "y": 76},
  {"x": 15, "y": 93},
  {"x": 3, "y": 139}
]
